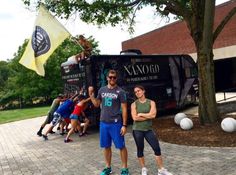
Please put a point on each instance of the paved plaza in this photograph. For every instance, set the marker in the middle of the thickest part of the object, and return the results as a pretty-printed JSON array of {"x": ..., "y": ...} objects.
[{"x": 23, "y": 152}]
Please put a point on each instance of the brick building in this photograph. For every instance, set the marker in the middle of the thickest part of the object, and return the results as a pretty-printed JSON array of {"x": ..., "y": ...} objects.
[{"x": 175, "y": 39}]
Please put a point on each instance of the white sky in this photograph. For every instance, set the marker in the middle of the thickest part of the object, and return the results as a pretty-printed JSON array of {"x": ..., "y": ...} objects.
[{"x": 17, "y": 24}]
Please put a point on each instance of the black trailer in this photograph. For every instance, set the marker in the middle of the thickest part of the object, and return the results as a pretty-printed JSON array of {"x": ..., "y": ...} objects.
[{"x": 169, "y": 80}]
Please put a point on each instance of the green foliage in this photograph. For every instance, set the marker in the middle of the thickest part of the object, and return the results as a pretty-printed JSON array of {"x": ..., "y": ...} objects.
[
  {"x": 114, "y": 12},
  {"x": 98, "y": 12},
  {"x": 21, "y": 86},
  {"x": 4, "y": 73}
]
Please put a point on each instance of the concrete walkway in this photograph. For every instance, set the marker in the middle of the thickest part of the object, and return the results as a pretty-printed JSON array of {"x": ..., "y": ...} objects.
[{"x": 23, "y": 152}]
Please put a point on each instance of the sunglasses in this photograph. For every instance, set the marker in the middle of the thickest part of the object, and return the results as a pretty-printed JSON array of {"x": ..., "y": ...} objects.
[{"x": 112, "y": 77}]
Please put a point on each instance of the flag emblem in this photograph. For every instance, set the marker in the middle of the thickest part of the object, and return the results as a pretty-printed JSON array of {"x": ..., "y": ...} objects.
[{"x": 40, "y": 41}]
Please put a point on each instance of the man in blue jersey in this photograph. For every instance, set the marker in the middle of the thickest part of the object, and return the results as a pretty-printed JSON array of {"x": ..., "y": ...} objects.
[
  {"x": 113, "y": 120},
  {"x": 63, "y": 111}
]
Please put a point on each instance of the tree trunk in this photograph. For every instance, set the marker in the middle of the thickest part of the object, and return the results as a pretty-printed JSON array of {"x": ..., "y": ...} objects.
[{"x": 207, "y": 110}]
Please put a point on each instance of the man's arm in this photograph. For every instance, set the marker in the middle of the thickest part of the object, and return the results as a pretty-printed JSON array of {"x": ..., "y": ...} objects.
[
  {"x": 124, "y": 113},
  {"x": 124, "y": 117},
  {"x": 96, "y": 102}
]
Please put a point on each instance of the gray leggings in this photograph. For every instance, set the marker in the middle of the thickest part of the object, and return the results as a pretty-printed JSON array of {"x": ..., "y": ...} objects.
[{"x": 150, "y": 138}]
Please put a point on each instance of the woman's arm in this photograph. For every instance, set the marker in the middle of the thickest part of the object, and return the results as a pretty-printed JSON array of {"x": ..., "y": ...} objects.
[
  {"x": 152, "y": 113},
  {"x": 86, "y": 100},
  {"x": 83, "y": 114},
  {"x": 83, "y": 102},
  {"x": 134, "y": 113}
]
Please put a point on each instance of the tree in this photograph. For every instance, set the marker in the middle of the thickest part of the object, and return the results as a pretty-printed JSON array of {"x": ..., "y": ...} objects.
[
  {"x": 198, "y": 15},
  {"x": 24, "y": 85},
  {"x": 4, "y": 73}
]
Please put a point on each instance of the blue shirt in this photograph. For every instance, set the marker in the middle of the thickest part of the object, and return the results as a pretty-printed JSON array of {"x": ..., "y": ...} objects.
[{"x": 65, "y": 108}]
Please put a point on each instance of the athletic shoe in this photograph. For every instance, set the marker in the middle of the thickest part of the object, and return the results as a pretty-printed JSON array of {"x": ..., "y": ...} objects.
[
  {"x": 52, "y": 132},
  {"x": 62, "y": 133},
  {"x": 39, "y": 134},
  {"x": 124, "y": 171},
  {"x": 86, "y": 133},
  {"x": 164, "y": 171},
  {"x": 68, "y": 140},
  {"x": 106, "y": 171},
  {"x": 45, "y": 137},
  {"x": 82, "y": 134},
  {"x": 144, "y": 171}
]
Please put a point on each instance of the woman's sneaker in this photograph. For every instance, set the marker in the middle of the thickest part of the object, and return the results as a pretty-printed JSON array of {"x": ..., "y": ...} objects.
[
  {"x": 106, "y": 171},
  {"x": 68, "y": 140},
  {"x": 124, "y": 171},
  {"x": 81, "y": 134},
  {"x": 164, "y": 171},
  {"x": 144, "y": 171}
]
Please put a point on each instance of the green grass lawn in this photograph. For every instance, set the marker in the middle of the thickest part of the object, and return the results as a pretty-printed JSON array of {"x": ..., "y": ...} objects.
[{"x": 20, "y": 114}]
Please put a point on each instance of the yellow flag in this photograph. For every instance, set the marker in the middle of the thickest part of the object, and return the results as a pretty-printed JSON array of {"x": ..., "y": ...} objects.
[{"x": 48, "y": 34}]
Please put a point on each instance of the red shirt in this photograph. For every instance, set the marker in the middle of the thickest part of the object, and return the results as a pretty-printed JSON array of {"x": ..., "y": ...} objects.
[{"x": 77, "y": 110}]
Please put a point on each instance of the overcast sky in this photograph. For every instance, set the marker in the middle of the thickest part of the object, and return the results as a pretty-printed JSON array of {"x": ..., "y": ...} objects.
[{"x": 17, "y": 24}]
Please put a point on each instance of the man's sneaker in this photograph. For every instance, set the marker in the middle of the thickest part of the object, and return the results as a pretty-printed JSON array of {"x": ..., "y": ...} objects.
[
  {"x": 106, "y": 171},
  {"x": 45, "y": 137},
  {"x": 124, "y": 171},
  {"x": 68, "y": 140},
  {"x": 164, "y": 171},
  {"x": 144, "y": 171},
  {"x": 39, "y": 134}
]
